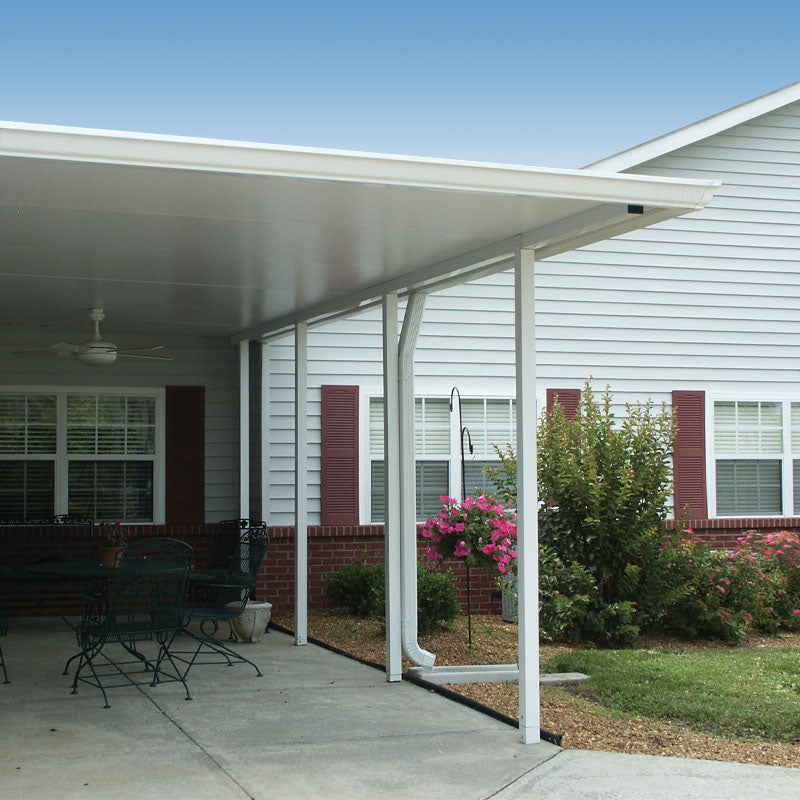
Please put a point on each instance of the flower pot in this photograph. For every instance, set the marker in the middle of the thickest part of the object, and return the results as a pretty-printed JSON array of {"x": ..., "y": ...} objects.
[
  {"x": 108, "y": 554},
  {"x": 251, "y": 624}
]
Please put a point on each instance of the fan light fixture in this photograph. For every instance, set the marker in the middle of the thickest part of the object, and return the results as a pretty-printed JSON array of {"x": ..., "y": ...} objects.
[{"x": 96, "y": 352}]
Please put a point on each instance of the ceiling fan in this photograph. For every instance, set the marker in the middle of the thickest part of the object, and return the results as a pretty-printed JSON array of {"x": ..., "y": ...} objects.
[{"x": 95, "y": 352}]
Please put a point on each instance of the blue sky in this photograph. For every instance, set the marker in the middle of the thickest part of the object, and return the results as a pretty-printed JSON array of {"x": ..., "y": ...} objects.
[{"x": 515, "y": 82}]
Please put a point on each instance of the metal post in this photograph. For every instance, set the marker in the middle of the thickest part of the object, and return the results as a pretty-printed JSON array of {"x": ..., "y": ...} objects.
[
  {"x": 244, "y": 429},
  {"x": 391, "y": 457},
  {"x": 301, "y": 483},
  {"x": 265, "y": 483},
  {"x": 527, "y": 498}
]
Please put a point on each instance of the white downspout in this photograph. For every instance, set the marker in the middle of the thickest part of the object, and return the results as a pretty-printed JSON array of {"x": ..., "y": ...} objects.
[{"x": 408, "y": 484}]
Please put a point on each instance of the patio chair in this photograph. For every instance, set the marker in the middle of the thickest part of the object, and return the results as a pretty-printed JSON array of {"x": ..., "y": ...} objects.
[
  {"x": 226, "y": 538},
  {"x": 143, "y": 600},
  {"x": 221, "y": 599}
]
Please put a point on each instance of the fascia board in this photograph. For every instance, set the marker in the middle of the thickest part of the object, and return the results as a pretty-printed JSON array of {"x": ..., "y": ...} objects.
[
  {"x": 111, "y": 147},
  {"x": 690, "y": 134}
]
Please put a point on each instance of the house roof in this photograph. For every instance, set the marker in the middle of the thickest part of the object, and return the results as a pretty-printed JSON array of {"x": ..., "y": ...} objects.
[
  {"x": 179, "y": 235},
  {"x": 699, "y": 130}
]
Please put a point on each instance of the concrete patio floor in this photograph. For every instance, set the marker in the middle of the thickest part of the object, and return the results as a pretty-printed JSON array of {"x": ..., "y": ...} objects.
[{"x": 317, "y": 725}]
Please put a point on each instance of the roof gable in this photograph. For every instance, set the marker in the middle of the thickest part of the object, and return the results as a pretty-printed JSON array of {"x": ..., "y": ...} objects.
[{"x": 690, "y": 134}]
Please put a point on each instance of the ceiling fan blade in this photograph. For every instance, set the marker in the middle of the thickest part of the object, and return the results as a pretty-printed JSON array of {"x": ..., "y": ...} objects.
[
  {"x": 136, "y": 355},
  {"x": 46, "y": 354},
  {"x": 129, "y": 349},
  {"x": 64, "y": 349}
]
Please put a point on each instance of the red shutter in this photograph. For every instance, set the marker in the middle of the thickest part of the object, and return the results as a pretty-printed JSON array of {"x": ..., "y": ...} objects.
[
  {"x": 339, "y": 455},
  {"x": 689, "y": 459},
  {"x": 186, "y": 446},
  {"x": 568, "y": 399}
]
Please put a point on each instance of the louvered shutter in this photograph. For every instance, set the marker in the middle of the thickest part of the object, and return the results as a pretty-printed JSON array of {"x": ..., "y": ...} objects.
[
  {"x": 689, "y": 459},
  {"x": 568, "y": 399},
  {"x": 339, "y": 455},
  {"x": 185, "y": 456}
]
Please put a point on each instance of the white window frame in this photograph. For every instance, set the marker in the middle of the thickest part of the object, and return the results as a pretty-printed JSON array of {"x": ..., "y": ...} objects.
[
  {"x": 786, "y": 457},
  {"x": 62, "y": 457},
  {"x": 454, "y": 460}
]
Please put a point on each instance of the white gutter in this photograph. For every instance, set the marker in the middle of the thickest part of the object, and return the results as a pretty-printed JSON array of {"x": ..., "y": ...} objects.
[
  {"x": 408, "y": 485},
  {"x": 27, "y": 140}
]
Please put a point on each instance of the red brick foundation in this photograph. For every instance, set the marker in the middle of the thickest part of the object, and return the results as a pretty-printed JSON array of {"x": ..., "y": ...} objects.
[
  {"x": 329, "y": 549},
  {"x": 723, "y": 533}
]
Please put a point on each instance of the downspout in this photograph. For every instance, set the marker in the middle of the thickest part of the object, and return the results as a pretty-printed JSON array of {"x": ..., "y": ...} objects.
[{"x": 408, "y": 484}]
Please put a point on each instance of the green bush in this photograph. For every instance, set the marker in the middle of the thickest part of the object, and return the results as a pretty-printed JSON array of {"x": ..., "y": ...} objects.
[
  {"x": 704, "y": 606},
  {"x": 360, "y": 589},
  {"x": 605, "y": 485},
  {"x": 436, "y": 599}
]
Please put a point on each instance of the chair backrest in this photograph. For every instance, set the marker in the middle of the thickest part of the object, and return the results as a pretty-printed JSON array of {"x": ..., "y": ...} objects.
[
  {"x": 227, "y": 536},
  {"x": 148, "y": 592},
  {"x": 245, "y": 562}
]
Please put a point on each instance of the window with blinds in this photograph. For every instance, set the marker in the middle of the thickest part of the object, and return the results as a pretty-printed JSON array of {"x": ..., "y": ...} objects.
[
  {"x": 437, "y": 449},
  {"x": 28, "y": 444},
  {"x": 749, "y": 456},
  {"x": 491, "y": 423},
  {"x": 432, "y": 451},
  {"x": 101, "y": 463}
]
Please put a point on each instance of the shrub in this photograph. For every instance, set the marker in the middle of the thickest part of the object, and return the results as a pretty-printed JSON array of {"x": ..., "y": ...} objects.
[
  {"x": 705, "y": 605},
  {"x": 765, "y": 579},
  {"x": 605, "y": 485},
  {"x": 436, "y": 599},
  {"x": 361, "y": 590},
  {"x": 358, "y": 588}
]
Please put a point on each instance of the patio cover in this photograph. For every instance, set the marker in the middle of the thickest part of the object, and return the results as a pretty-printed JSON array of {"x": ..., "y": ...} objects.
[
  {"x": 242, "y": 240},
  {"x": 207, "y": 237}
]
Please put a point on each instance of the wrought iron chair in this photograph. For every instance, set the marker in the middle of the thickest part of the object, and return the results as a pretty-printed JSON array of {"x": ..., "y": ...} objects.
[
  {"x": 221, "y": 599},
  {"x": 143, "y": 600},
  {"x": 226, "y": 538}
]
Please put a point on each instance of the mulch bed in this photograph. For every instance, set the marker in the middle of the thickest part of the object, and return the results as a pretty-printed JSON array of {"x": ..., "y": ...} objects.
[{"x": 584, "y": 724}]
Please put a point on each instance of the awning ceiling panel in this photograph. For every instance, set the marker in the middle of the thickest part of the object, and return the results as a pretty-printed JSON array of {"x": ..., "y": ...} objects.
[{"x": 189, "y": 236}]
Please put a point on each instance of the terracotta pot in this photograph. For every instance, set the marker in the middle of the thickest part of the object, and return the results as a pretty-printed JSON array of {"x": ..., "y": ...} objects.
[{"x": 108, "y": 553}]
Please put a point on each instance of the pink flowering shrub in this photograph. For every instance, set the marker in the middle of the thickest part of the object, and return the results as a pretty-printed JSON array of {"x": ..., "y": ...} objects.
[
  {"x": 481, "y": 531},
  {"x": 765, "y": 578},
  {"x": 755, "y": 586}
]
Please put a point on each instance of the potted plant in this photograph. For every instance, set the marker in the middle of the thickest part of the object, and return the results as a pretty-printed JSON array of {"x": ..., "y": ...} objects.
[{"x": 114, "y": 539}]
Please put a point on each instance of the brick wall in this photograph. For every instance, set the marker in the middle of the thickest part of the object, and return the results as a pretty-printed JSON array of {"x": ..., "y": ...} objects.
[
  {"x": 723, "y": 533},
  {"x": 329, "y": 548}
]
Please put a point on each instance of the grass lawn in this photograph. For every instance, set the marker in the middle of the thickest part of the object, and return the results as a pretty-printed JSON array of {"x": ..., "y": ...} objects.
[{"x": 750, "y": 693}]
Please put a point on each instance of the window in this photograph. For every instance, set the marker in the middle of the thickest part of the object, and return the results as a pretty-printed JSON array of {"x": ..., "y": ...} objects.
[
  {"x": 753, "y": 457},
  {"x": 489, "y": 422},
  {"x": 437, "y": 449},
  {"x": 93, "y": 455}
]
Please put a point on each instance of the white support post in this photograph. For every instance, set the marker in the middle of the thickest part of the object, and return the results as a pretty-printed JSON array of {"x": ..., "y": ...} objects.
[
  {"x": 301, "y": 483},
  {"x": 265, "y": 438},
  {"x": 391, "y": 456},
  {"x": 527, "y": 498},
  {"x": 244, "y": 429}
]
